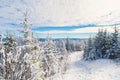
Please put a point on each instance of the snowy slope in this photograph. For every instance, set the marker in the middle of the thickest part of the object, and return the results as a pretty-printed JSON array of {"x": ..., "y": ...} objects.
[{"x": 102, "y": 69}]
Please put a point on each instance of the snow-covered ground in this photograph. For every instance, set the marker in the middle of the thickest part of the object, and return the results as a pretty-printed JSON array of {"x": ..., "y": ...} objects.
[{"x": 102, "y": 69}]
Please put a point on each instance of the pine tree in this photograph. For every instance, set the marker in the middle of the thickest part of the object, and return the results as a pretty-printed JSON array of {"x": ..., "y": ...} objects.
[
  {"x": 101, "y": 43},
  {"x": 68, "y": 45},
  {"x": 105, "y": 44},
  {"x": 27, "y": 31},
  {"x": 64, "y": 58},
  {"x": 89, "y": 51},
  {"x": 8, "y": 60},
  {"x": 98, "y": 41},
  {"x": 50, "y": 61},
  {"x": 33, "y": 52},
  {"x": 115, "y": 48},
  {"x": 99, "y": 46}
]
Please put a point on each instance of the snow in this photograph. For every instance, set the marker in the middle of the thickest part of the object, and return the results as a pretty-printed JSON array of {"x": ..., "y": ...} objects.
[{"x": 101, "y": 69}]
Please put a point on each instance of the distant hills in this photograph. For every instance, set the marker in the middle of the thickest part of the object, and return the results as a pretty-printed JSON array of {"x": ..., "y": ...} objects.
[
  {"x": 56, "y": 39},
  {"x": 43, "y": 39}
]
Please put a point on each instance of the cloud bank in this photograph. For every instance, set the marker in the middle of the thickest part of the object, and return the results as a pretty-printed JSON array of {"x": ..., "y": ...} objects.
[{"x": 60, "y": 13}]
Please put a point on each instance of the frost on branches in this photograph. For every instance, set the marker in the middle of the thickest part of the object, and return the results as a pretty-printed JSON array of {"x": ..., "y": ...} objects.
[
  {"x": 30, "y": 59},
  {"x": 54, "y": 59},
  {"x": 21, "y": 62},
  {"x": 103, "y": 45}
]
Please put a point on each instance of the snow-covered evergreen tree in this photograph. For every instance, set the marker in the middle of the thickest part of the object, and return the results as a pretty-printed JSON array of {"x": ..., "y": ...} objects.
[
  {"x": 104, "y": 45},
  {"x": 114, "y": 50},
  {"x": 27, "y": 32},
  {"x": 101, "y": 43},
  {"x": 8, "y": 57},
  {"x": 50, "y": 60},
  {"x": 63, "y": 60},
  {"x": 68, "y": 45},
  {"x": 62, "y": 56},
  {"x": 55, "y": 57},
  {"x": 32, "y": 52},
  {"x": 89, "y": 51}
]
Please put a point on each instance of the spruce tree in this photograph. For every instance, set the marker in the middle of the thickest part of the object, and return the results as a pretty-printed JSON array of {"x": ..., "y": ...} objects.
[
  {"x": 33, "y": 55},
  {"x": 50, "y": 59},
  {"x": 115, "y": 48},
  {"x": 89, "y": 51},
  {"x": 8, "y": 60}
]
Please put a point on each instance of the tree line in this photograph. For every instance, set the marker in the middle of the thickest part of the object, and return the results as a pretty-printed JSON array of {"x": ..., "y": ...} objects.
[{"x": 103, "y": 45}]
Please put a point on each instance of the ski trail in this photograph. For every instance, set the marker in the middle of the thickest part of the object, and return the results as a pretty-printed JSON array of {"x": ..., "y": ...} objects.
[
  {"x": 76, "y": 66},
  {"x": 101, "y": 69}
]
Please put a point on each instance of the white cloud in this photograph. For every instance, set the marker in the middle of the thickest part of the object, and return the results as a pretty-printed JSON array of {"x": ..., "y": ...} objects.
[
  {"x": 93, "y": 29},
  {"x": 76, "y": 33},
  {"x": 80, "y": 30},
  {"x": 62, "y": 12}
]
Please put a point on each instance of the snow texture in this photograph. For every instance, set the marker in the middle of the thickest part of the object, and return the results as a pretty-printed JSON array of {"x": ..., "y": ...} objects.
[{"x": 101, "y": 69}]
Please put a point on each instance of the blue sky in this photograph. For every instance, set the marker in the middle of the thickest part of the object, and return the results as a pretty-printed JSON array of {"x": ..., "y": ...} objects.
[
  {"x": 64, "y": 28},
  {"x": 60, "y": 18}
]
